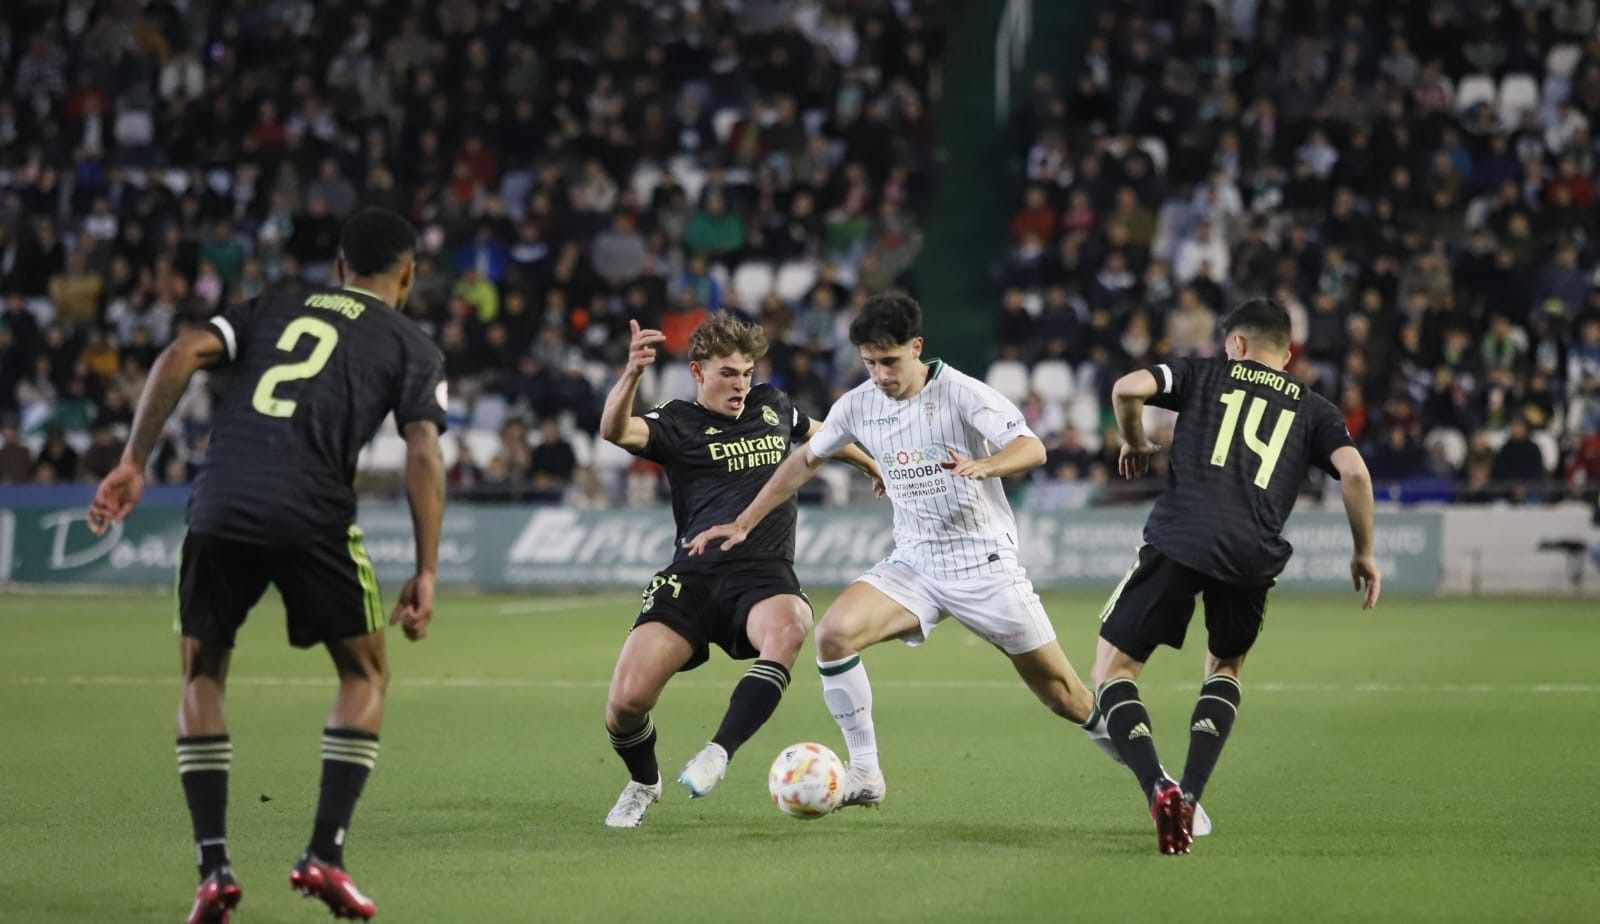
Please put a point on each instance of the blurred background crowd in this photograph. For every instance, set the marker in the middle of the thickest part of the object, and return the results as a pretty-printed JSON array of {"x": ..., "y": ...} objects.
[{"x": 1415, "y": 181}]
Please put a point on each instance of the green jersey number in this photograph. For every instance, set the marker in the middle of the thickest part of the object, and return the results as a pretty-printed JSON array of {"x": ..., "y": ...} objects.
[
  {"x": 1269, "y": 451},
  {"x": 326, "y": 337}
]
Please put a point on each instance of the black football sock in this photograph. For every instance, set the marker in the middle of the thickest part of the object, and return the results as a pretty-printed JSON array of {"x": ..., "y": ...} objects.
[
  {"x": 753, "y": 701},
  {"x": 1213, "y": 718},
  {"x": 637, "y": 749},
  {"x": 203, "y": 765},
  {"x": 348, "y": 756},
  {"x": 1128, "y": 723}
]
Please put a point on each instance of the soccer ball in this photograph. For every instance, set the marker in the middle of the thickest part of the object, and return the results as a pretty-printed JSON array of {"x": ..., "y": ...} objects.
[{"x": 806, "y": 780}]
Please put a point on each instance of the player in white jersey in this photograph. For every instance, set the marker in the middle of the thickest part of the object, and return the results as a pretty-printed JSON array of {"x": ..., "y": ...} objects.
[{"x": 943, "y": 440}]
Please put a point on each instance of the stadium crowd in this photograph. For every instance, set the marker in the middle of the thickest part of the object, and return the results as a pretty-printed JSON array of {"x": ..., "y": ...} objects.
[
  {"x": 1416, "y": 182},
  {"x": 570, "y": 164}
]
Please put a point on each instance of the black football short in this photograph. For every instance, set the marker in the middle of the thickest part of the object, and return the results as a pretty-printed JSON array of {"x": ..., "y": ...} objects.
[
  {"x": 329, "y": 590},
  {"x": 1155, "y": 601},
  {"x": 707, "y": 607}
]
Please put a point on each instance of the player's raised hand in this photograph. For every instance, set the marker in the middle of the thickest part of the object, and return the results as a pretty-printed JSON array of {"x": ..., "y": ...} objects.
[
  {"x": 116, "y": 497},
  {"x": 731, "y": 533},
  {"x": 415, "y": 609},
  {"x": 960, "y": 465},
  {"x": 1364, "y": 569},
  {"x": 641, "y": 347},
  {"x": 1134, "y": 461}
]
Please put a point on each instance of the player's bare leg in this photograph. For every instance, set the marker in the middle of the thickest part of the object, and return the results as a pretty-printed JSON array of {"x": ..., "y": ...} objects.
[
  {"x": 649, "y": 658},
  {"x": 862, "y": 616},
  {"x": 1116, "y": 675},
  {"x": 1209, "y": 725},
  {"x": 1050, "y": 676},
  {"x": 349, "y": 754},
  {"x": 776, "y": 628},
  {"x": 205, "y": 757}
]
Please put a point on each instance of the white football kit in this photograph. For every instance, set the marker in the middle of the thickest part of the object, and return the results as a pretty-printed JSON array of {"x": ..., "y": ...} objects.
[{"x": 955, "y": 538}]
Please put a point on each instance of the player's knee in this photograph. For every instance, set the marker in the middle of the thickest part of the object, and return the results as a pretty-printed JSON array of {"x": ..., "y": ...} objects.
[
  {"x": 837, "y": 636},
  {"x": 627, "y": 707},
  {"x": 788, "y": 633}
]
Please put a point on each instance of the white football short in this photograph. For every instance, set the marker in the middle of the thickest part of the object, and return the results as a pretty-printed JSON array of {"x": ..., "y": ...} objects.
[{"x": 1001, "y": 609}]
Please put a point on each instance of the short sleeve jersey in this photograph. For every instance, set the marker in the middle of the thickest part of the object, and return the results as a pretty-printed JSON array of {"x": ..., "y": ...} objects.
[
  {"x": 309, "y": 379},
  {"x": 944, "y": 525},
  {"x": 1245, "y": 438},
  {"x": 717, "y": 464}
]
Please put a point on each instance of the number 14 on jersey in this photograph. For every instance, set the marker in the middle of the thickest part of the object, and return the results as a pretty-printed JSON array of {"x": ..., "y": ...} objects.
[{"x": 1269, "y": 450}]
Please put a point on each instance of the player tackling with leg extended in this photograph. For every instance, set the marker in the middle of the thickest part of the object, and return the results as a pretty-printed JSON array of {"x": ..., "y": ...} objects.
[
  {"x": 1246, "y": 436},
  {"x": 314, "y": 375},
  {"x": 943, "y": 440},
  {"x": 718, "y": 451}
]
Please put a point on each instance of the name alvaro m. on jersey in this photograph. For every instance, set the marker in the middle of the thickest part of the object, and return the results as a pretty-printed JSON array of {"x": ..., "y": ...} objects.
[
  {"x": 742, "y": 454},
  {"x": 1265, "y": 377}
]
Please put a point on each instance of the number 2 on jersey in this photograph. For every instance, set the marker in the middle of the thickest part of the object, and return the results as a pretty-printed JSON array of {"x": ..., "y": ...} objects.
[
  {"x": 1269, "y": 451},
  {"x": 326, "y": 337}
]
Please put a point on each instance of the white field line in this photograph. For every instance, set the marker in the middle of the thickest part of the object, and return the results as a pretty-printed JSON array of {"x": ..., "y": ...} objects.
[
  {"x": 520, "y": 683},
  {"x": 559, "y": 604}
]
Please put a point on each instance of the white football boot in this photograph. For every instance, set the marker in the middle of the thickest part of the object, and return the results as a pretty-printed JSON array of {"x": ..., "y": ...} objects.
[
  {"x": 704, "y": 770},
  {"x": 630, "y": 808},
  {"x": 861, "y": 789}
]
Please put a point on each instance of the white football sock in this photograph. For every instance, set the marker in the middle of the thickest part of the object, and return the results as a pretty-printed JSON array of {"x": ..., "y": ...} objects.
[{"x": 848, "y": 695}]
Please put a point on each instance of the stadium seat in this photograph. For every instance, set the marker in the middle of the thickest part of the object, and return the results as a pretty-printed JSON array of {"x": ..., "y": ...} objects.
[
  {"x": 1156, "y": 150},
  {"x": 598, "y": 374},
  {"x": 484, "y": 444},
  {"x": 650, "y": 385},
  {"x": 795, "y": 279},
  {"x": 1519, "y": 93},
  {"x": 1084, "y": 415},
  {"x": 1052, "y": 380},
  {"x": 1547, "y": 448},
  {"x": 488, "y": 412},
  {"x": 385, "y": 454},
  {"x": 1473, "y": 90},
  {"x": 1450, "y": 444},
  {"x": 1562, "y": 60},
  {"x": 751, "y": 283},
  {"x": 723, "y": 121},
  {"x": 1010, "y": 378},
  {"x": 582, "y": 447},
  {"x": 646, "y": 177},
  {"x": 676, "y": 382}
]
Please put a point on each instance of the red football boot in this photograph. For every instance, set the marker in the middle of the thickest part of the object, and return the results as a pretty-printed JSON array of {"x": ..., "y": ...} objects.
[
  {"x": 313, "y": 878},
  {"x": 1169, "y": 811},
  {"x": 218, "y": 895}
]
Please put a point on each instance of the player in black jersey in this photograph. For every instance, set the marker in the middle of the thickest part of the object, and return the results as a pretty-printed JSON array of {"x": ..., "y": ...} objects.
[
  {"x": 311, "y": 378},
  {"x": 718, "y": 451},
  {"x": 1245, "y": 438}
]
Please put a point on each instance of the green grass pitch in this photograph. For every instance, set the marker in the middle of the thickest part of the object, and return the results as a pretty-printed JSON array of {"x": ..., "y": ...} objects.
[{"x": 1430, "y": 760}]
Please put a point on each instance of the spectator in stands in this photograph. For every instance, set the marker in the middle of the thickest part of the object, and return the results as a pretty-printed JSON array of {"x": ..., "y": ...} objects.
[
  {"x": 1068, "y": 459},
  {"x": 552, "y": 463},
  {"x": 16, "y": 462},
  {"x": 1519, "y": 463}
]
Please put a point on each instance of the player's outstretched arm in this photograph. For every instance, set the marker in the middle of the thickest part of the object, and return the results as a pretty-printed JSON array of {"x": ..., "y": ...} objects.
[
  {"x": 425, "y": 492},
  {"x": 1020, "y": 455},
  {"x": 617, "y": 423},
  {"x": 119, "y": 493},
  {"x": 1356, "y": 485},
  {"x": 856, "y": 457},
  {"x": 1128, "y": 397},
  {"x": 794, "y": 472}
]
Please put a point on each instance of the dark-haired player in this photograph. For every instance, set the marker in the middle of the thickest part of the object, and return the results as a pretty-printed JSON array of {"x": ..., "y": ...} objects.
[
  {"x": 311, "y": 378},
  {"x": 718, "y": 450},
  {"x": 1245, "y": 438},
  {"x": 943, "y": 440}
]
